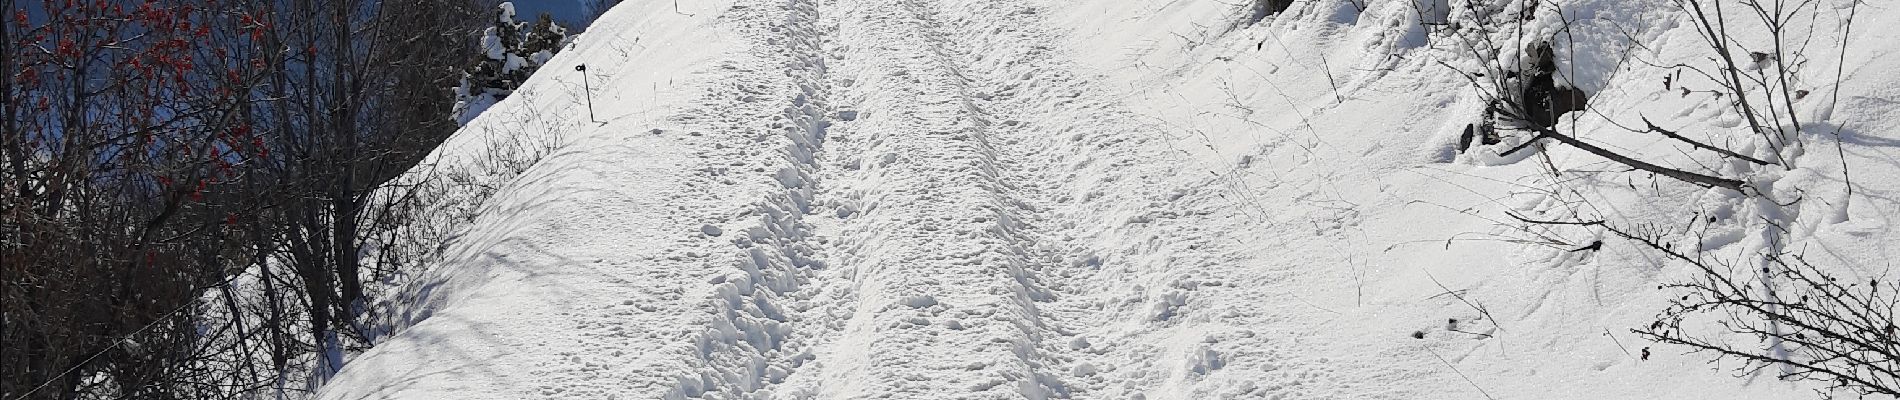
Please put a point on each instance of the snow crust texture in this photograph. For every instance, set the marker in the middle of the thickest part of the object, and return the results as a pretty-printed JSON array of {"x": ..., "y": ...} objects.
[{"x": 1058, "y": 199}]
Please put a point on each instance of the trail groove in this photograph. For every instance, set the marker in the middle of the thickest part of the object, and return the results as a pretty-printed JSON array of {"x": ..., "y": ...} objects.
[{"x": 967, "y": 173}]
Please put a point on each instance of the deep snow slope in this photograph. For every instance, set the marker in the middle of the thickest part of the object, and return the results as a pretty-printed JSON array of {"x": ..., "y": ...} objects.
[{"x": 1095, "y": 199}]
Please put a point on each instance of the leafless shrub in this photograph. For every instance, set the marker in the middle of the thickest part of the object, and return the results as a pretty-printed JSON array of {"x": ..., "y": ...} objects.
[{"x": 1769, "y": 307}]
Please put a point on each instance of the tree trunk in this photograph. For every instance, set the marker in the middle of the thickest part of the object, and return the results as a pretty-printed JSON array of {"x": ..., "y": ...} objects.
[{"x": 343, "y": 201}]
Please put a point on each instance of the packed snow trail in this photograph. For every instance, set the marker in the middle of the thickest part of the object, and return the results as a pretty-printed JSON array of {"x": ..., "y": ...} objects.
[
  {"x": 933, "y": 238},
  {"x": 993, "y": 199},
  {"x": 917, "y": 200},
  {"x": 974, "y": 260}
]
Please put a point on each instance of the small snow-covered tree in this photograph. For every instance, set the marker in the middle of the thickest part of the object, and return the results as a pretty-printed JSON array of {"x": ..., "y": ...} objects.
[
  {"x": 542, "y": 40},
  {"x": 511, "y": 51}
]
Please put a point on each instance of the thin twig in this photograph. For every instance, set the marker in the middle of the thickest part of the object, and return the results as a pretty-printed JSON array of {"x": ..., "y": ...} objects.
[{"x": 1454, "y": 369}]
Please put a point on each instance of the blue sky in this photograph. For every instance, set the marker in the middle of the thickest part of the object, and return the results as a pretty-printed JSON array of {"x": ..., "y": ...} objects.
[{"x": 569, "y": 12}]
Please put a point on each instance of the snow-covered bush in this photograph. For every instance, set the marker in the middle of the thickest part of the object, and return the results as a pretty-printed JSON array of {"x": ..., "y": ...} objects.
[{"x": 511, "y": 52}]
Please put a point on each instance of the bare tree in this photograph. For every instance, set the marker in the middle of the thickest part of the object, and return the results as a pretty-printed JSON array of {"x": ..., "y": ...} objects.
[
  {"x": 118, "y": 138},
  {"x": 186, "y": 182}
]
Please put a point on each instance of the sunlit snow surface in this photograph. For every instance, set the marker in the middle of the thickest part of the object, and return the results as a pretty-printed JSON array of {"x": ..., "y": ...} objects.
[{"x": 1089, "y": 199}]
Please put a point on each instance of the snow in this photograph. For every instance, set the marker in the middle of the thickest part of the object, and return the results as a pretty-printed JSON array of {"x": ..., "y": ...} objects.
[
  {"x": 491, "y": 44},
  {"x": 513, "y": 63},
  {"x": 1093, "y": 199},
  {"x": 507, "y": 14}
]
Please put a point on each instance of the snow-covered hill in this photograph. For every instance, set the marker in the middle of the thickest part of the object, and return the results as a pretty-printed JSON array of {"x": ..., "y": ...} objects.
[{"x": 1092, "y": 199}]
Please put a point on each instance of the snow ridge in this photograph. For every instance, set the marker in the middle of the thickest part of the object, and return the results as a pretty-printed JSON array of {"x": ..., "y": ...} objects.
[{"x": 757, "y": 335}]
